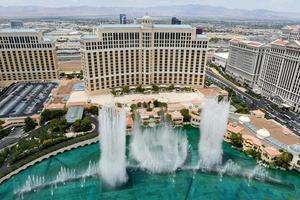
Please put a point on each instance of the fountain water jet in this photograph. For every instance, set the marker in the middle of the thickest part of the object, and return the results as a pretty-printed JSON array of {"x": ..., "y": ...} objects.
[
  {"x": 160, "y": 149},
  {"x": 113, "y": 143},
  {"x": 213, "y": 126}
]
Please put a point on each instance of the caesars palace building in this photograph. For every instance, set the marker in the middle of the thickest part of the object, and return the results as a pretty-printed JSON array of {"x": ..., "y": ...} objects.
[{"x": 119, "y": 55}]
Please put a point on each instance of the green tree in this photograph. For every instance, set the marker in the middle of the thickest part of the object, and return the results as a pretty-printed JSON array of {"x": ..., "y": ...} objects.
[
  {"x": 48, "y": 115},
  {"x": 145, "y": 105},
  {"x": 139, "y": 89},
  {"x": 3, "y": 156},
  {"x": 283, "y": 160},
  {"x": 93, "y": 110},
  {"x": 126, "y": 89},
  {"x": 86, "y": 124},
  {"x": 139, "y": 104},
  {"x": 156, "y": 103},
  {"x": 70, "y": 76},
  {"x": 155, "y": 88},
  {"x": 171, "y": 87},
  {"x": 82, "y": 125},
  {"x": 133, "y": 107},
  {"x": 186, "y": 115},
  {"x": 236, "y": 140},
  {"x": 58, "y": 126},
  {"x": 63, "y": 74},
  {"x": 29, "y": 124},
  {"x": 113, "y": 91}
]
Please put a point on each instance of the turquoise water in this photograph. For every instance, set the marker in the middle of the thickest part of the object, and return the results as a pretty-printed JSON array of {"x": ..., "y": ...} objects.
[{"x": 145, "y": 186}]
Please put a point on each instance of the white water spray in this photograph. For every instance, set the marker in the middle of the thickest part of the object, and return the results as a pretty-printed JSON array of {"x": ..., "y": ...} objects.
[
  {"x": 159, "y": 150},
  {"x": 213, "y": 126},
  {"x": 112, "y": 136}
]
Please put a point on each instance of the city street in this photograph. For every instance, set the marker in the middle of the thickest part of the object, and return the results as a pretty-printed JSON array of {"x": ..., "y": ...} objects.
[{"x": 12, "y": 138}]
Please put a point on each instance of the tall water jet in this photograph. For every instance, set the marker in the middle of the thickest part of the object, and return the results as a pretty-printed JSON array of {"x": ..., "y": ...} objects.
[
  {"x": 159, "y": 150},
  {"x": 213, "y": 126},
  {"x": 112, "y": 136}
]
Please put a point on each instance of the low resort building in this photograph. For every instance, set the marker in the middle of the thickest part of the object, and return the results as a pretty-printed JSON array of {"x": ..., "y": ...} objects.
[{"x": 266, "y": 137}]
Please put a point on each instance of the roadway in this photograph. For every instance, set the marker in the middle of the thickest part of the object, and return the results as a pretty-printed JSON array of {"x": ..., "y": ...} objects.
[
  {"x": 266, "y": 105},
  {"x": 12, "y": 138}
]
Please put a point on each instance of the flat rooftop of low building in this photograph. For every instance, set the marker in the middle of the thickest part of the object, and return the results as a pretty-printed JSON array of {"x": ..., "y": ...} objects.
[
  {"x": 224, "y": 55},
  {"x": 74, "y": 113}
]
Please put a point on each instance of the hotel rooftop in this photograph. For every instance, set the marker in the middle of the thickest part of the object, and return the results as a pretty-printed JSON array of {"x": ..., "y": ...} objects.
[
  {"x": 270, "y": 132},
  {"x": 246, "y": 42},
  {"x": 286, "y": 43}
]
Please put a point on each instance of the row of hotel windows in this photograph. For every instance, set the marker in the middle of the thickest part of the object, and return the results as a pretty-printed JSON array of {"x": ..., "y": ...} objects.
[
  {"x": 120, "y": 81},
  {"x": 18, "y": 39},
  {"x": 123, "y": 55},
  {"x": 136, "y": 35},
  {"x": 119, "y": 64},
  {"x": 28, "y": 76},
  {"x": 27, "y": 68},
  {"x": 29, "y": 46},
  {"x": 145, "y": 43},
  {"x": 270, "y": 90},
  {"x": 23, "y": 57}
]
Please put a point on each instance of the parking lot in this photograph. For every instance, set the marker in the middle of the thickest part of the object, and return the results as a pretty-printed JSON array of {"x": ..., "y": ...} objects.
[{"x": 24, "y": 99}]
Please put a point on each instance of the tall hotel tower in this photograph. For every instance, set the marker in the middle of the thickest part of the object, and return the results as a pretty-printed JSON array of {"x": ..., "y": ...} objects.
[
  {"x": 143, "y": 54},
  {"x": 26, "y": 56},
  {"x": 280, "y": 75}
]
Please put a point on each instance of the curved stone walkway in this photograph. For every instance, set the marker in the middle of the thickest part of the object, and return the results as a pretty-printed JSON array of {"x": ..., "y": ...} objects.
[{"x": 44, "y": 157}]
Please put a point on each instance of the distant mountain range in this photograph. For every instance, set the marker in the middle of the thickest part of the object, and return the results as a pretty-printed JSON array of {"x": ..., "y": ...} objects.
[{"x": 200, "y": 11}]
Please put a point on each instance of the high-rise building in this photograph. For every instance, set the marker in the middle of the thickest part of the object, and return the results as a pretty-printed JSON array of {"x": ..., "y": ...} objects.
[
  {"x": 280, "y": 75},
  {"x": 175, "y": 21},
  {"x": 291, "y": 32},
  {"x": 26, "y": 56},
  {"x": 143, "y": 54},
  {"x": 123, "y": 19},
  {"x": 16, "y": 24},
  {"x": 245, "y": 59}
]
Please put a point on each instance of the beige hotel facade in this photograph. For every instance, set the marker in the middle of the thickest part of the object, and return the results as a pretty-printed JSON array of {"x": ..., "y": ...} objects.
[
  {"x": 143, "y": 54},
  {"x": 25, "y": 55}
]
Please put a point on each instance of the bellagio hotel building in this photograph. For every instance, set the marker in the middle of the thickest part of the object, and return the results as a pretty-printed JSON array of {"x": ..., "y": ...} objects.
[
  {"x": 119, "y": 55},
  {"x": 26, "y": 56}
]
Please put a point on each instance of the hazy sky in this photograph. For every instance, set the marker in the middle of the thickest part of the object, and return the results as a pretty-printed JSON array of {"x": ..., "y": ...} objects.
[{"x": 278, "y": 5}]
